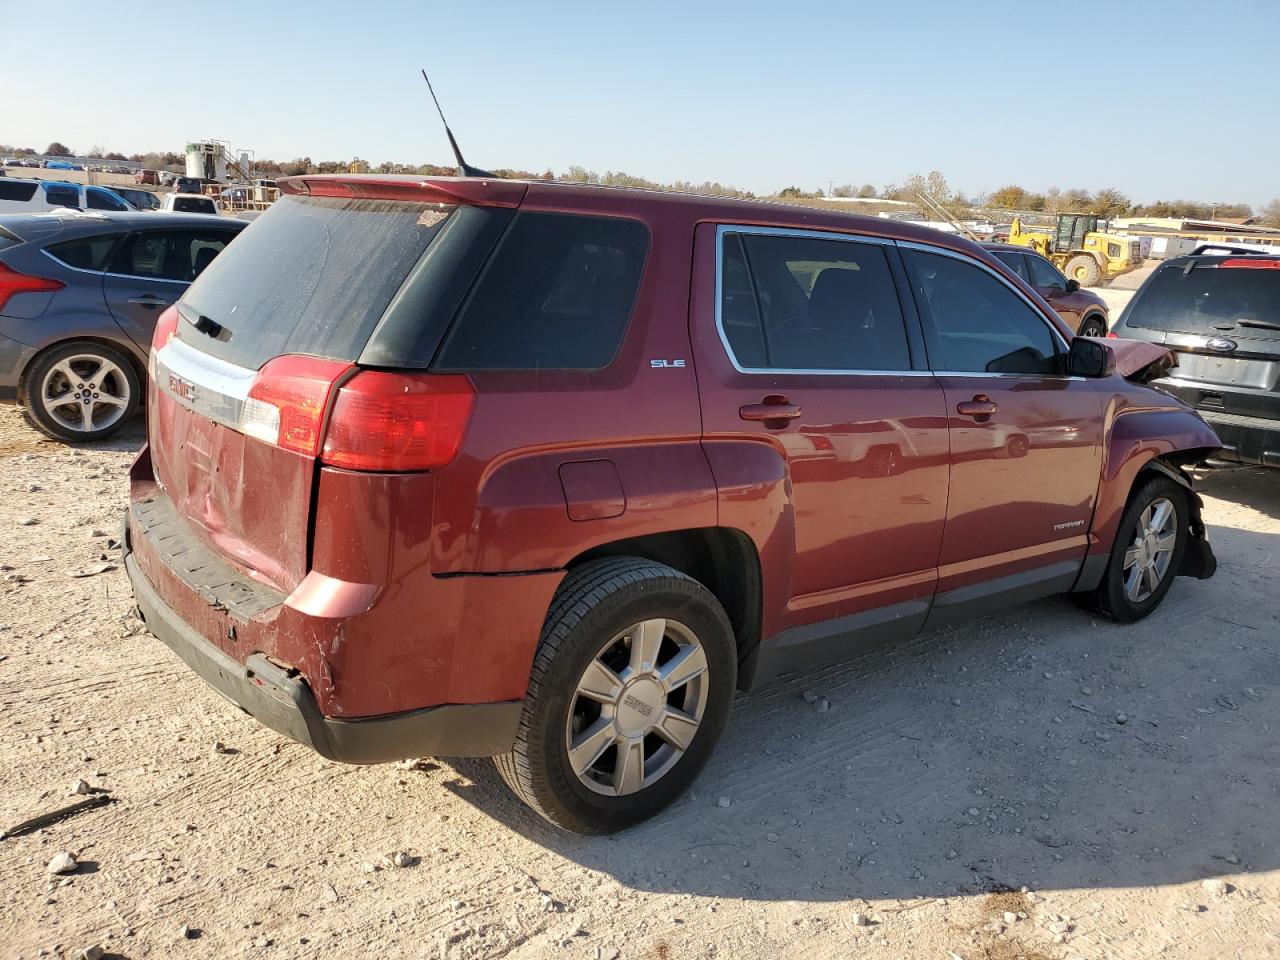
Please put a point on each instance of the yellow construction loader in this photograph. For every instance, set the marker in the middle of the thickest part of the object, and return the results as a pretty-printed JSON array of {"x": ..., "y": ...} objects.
[{"x": 1079, "y": 249}]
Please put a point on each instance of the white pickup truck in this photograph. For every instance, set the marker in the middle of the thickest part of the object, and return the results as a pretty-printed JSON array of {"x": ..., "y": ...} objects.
[{"x": 189, "y": 203}]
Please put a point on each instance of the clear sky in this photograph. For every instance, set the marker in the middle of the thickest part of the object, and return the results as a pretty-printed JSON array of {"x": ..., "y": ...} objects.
[{"x": 1160, "y": 98}]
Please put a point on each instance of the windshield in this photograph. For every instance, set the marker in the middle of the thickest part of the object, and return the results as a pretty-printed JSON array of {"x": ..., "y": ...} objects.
[
  {"x": 312, "y": 276},
  {"x": 1209, "y": 301}
]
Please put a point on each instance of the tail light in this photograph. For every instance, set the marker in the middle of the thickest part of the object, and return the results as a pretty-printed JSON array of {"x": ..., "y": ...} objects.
[
  {"x": 1112, "y": 335},
  {"x": 166, "y": 329},
  {"x": 12, "y": 283},
  {"x": 287, "y": 401},
  {"x": 380, "y": 421},
  {"x": 393, "y": 421},
  {"x": 1249, "y": 264}
]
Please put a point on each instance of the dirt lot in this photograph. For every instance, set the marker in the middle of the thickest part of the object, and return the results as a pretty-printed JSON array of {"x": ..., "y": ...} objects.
[{"x": 1107, "y": 771}]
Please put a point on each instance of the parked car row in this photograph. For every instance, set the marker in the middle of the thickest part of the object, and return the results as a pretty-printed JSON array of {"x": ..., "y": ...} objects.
[
  {"x": 23, "y": 195},
  {"x": 546, "y": 472}
]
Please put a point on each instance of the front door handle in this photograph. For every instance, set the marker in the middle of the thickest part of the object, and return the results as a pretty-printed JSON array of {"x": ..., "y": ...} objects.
[
  {"x": 149, "y": 302},
  {"x": 771, "y": 408},
  {"x": 980, "y": 407}
]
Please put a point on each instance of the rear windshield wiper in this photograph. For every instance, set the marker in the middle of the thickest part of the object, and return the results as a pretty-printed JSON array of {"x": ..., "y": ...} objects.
[{"x": 1259, "y": 324}]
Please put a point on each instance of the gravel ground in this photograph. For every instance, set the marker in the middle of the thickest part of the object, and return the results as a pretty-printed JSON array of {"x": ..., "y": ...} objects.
[{"x": 1038, "y": 784}]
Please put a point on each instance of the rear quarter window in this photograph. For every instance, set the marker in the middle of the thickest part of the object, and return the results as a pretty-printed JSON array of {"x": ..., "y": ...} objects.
[
  {"x": 557, "y": 294},
  {"x": 87, "y": 253},
  {"x": 17, "y": 192}
]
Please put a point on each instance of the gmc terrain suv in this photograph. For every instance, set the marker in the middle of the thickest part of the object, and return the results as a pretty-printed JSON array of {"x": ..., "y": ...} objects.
[
  {"x": 545, "y": 472},
  {"x": 1219, "y": 310}
]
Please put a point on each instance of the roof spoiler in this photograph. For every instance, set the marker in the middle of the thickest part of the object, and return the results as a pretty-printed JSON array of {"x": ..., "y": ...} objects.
[{"x": 465, "y": 191}]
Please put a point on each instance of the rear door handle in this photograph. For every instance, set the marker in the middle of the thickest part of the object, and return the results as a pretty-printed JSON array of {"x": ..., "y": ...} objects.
[
  {"x": 980, "y": 406},
  {"x": 771, "y": 408},
  {"x": 151, "y": 302}
]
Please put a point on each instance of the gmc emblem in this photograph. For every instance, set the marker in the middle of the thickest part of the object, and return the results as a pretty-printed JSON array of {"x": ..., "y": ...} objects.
[{"x": 182, "y": 389}]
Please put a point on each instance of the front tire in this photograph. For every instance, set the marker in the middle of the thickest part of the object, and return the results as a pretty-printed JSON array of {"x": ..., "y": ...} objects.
[
  {"x": 1093, "y": 326},
  {"x": 81, "y": 391},
  {"x": 1147, "y": 552},
  {"x": 1083, "y": 269},
  {"x": 629, "y": 693}
]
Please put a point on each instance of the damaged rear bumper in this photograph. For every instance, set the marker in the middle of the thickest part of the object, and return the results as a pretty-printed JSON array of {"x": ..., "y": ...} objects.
[{"x": 280, "y": 699}]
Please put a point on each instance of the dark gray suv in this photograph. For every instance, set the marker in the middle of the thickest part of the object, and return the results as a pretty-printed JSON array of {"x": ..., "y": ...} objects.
[
  {"x": 1219, "y": 311},
  {"x": 79, "y": 298}
]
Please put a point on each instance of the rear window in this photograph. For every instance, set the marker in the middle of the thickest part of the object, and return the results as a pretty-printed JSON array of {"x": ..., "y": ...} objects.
[
  {"x": 556, "y": 295},
  {"x": 87, "y": 253},
  {"x": 16, "y": 191},
  {"x": 193, "y": 205},
  {"x": 312, "y": 276},
  {"x": 1208, "y": 301}
]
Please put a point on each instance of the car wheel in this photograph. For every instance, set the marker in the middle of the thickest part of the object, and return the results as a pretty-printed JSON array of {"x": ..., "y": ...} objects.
[
  {"x": 80, "y": 391},
  {"x": 1093, "y": 326},
  {"x": 1147, "y": 551},
  {"x": 1083, "y": 269},
  {"x": 629, "y": 692}
]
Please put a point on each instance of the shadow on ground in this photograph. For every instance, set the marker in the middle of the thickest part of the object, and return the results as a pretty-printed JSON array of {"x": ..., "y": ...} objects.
[{"x": 1040, "y": 747}]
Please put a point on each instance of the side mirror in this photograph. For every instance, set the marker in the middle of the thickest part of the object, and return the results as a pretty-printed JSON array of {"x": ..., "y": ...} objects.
[
  {"x": 1072, "y": 285},
  {"x": 1090, "y": 358}
]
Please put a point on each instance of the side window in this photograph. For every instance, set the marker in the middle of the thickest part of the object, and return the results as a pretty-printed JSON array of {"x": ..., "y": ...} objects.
[
  {"x": 62, "y": 196},
  {"x": 1045, "y": 274},
  {"x": 805, "y": 303},
  {"x": 1014, "y": 261},
  {"x": 204, "y": 247},
  {"x": 170, "y": 255},
  {"x": 18, "y": 191},
  {"x": 976, "y": 324},
  {"x": 557, "y": 294},
  {"x": 739, "y": 317},
  {"x": 90, "y": 253},
  {"x": 101, "y": 200}
]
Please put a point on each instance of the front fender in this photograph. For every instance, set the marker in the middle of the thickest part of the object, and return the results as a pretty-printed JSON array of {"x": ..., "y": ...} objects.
[{"x": 1141, "y": 426}]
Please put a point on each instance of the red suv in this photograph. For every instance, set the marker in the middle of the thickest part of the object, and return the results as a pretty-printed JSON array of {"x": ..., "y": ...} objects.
[{"x": 546, "y": 472}]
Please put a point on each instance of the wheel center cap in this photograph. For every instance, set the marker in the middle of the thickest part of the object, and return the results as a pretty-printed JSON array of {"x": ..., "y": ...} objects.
[{"x": 639, "y": 706}]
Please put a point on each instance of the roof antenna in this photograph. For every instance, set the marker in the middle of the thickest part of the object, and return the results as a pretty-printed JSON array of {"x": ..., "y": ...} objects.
[{"x": 464, "y": 169}]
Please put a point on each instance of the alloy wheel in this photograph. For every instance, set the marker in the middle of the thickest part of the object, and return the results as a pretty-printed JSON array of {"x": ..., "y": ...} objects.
[
  {"x": 1146, "y": 561},
  {"x": 637, "y": 707},
  {"x": 85, "y": 393}
]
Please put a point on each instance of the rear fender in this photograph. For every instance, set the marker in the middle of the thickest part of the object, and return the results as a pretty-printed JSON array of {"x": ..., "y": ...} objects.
[
  {"x": 540, "y": 510},
  {"x": 754, "y": 492}
]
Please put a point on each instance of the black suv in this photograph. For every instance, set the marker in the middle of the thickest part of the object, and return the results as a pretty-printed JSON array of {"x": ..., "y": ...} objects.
[{"x": 1219, "y": 310}]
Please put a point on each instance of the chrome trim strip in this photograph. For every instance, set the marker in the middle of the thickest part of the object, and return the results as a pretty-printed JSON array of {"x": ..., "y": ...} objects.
[
  {"x": 1009, "y": 376},
  {"x": 725, "y": 228},
  {"x": 218, "y": 389},
  {"x": 108, "y": 273}
]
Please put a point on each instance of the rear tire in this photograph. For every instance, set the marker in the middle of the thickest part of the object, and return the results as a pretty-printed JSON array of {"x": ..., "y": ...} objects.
[
  {"x": 80, "y": 391},
  {"x": 1148, "y": 549},
  {"x": 1083, "y": 269},
  {"x": 606, "y": 738},
  {"x": 1093, "y": 326}
]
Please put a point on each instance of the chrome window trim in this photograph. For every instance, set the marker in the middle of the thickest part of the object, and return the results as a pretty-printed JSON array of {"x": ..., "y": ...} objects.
[
  {"x": 1054, "y": 332},
  {"x": 726, "y": 228}
]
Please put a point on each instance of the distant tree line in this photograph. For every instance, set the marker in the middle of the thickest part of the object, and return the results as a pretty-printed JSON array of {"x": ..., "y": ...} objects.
[{"x": 1107, "y": 201}]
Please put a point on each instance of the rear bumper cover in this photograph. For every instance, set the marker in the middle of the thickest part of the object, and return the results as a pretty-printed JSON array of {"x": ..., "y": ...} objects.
[{"x": 280, "y": 699}]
